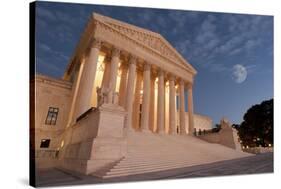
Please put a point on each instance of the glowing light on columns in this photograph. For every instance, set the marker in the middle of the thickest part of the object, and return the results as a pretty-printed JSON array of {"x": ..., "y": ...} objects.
[
  {"x": 155, "y": 104},
  {"x": 118, "y": 78},
  {"x": 156, "y": 80},
  {"x": 98, "y": 78},
  {"x": 167, "y": 107},
  {"x": 62, "y": 144}
]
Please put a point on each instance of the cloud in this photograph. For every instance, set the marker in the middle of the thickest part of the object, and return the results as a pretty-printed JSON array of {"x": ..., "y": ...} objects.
[
  {"x": 207, "y": 40},
  {"x": 46, "y": 67},
  {"x": 251, "y": 68},
  {"x": 216, "y": 67},
  {"x": 235, "y": 51},
  {"x": 211, "y": 44},
  {"x": 220, "y": 37},
  {"x": 45, "y": 49},
  {"x": 45, "y": 13},
  {"x": 252, "y": 43},
  {"x": 229, "y": 45},
  {"x": 207, "y": 30}
]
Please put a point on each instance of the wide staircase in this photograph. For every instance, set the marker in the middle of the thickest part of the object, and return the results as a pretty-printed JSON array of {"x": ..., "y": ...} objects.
[{"x": 148, "y": 152}]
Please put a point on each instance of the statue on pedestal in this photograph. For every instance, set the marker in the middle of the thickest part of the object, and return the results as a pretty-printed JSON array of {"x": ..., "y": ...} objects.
[{"x": 102, "y": 94}]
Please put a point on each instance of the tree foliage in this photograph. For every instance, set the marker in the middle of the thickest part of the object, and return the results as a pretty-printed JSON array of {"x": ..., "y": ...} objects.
[{"x": 257, "y": 127}]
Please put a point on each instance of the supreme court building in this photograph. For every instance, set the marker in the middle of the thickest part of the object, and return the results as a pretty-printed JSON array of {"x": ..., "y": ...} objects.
[{"x": 122, "y": 96}]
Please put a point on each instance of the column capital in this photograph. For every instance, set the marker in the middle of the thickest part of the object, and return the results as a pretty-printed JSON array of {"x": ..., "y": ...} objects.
[
  {"x": 171, "y": 77},
  {"x": 189, "y": 85},
  {"x": 160, "y": 72},
  {"x": 132, "y": 59},
  {"x": 146, "y": 67},
  {"x": 96, "y": 43},
  {"x": 107, "y": 59},
  {"x": 181, "y": 81},
  {"x": 115, "y": 52}
]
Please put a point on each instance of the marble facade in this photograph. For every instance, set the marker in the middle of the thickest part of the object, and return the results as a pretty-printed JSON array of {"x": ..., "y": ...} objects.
[
  {"x": 121, "y": 79},
  {"x": 137, "y": 65}
]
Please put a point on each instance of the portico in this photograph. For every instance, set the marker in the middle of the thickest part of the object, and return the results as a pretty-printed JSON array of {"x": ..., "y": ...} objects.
[
  {"x": 126, "y": 81},
  {"x": 145, "y": 77}
]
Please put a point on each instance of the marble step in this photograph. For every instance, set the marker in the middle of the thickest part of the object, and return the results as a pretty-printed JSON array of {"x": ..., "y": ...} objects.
[
  {"x": 149, "y": 150},
  {"x": 142, "y": 170},
  {"x": 158, "y": 152},
  {"x": 152, "y": 160},
  {"x": 149, "y": 164}
]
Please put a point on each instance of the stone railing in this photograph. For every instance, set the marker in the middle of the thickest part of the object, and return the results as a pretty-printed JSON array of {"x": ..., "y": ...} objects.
[{"x": 200, "y": 132}]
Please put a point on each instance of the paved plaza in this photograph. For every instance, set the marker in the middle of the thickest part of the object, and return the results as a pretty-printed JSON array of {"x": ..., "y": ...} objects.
[{"x": 261, "y": 163}]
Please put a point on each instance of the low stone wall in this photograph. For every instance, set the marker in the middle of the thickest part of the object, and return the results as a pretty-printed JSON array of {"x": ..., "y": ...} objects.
[
  {"x": 200, "y": 122},
  {"x": 227, "y": 136}
]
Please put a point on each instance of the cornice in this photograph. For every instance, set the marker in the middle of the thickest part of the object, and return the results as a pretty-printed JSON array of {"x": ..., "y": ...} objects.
[
  {"x": 54, "y": 82},
  {"x": 102, "y": 25}
]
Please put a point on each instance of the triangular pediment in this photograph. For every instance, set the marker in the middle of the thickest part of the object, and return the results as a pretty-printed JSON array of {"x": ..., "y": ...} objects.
[{"x": 148, "y": 38}]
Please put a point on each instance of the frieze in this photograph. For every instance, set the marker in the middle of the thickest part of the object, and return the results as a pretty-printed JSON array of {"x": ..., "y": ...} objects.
[
  {"x": 155, "y": 45},
  {"x": 149, "y": 40}
]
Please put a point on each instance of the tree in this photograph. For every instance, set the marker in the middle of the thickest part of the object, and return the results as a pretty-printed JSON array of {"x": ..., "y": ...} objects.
[{"x": 257, "y": 127}]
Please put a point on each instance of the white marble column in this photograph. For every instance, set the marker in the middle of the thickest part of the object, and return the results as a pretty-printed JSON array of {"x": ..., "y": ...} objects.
[
  {"x": 123, "y": 85},
  {"x": 130, "y": 92},
  {"x": 161, "y": 103},
  {"x": 88, "y": 78},
  {"x": 75, "y": 90},
  {"x": 106, "y": 74},
  {"x": 146, "y": 98},
  {"x": 172, "y": 106},
  {"x": 182, "y": 110},
  {"x": 113, "y": 74},
  {"x": 152, "y": 103},
  {"x": 190, "y": 110},
  {"x": 136, "y": 106}
]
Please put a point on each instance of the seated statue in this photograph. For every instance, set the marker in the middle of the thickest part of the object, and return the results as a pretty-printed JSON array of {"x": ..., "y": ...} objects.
[{"x": 102, "y": 94}]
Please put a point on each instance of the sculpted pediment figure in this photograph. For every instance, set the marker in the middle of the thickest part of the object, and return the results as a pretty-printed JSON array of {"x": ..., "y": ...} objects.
[{"x": 148, "y": 38}]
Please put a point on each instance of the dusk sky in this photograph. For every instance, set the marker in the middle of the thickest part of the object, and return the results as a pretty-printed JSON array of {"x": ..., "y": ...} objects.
[{"x": 232, "y": 53}]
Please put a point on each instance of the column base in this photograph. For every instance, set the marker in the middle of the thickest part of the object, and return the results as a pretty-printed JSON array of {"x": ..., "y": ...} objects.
[
  {"x": 162, "y": 133},
  {"x": 147, "y": 131}
]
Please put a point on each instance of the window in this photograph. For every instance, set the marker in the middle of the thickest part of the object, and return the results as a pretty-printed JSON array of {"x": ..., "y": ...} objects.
[
  {"x": 45, "y": 143},
  {"x": 52, "y": 116}
]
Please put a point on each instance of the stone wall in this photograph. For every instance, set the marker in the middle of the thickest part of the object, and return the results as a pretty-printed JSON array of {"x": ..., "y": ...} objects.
[
  {"x": 227, "y": 136},
  {"x": 50, "y": 92},
  {"x": 200, "y": 122},
  {"x": 95, "y": 140}
]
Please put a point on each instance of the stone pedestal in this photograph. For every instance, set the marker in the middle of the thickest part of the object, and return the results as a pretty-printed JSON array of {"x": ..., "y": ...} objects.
[{"x": 97, "y": 140}]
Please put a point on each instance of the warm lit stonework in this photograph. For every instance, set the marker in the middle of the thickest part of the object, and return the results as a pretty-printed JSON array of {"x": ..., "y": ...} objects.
[{"x": 123, "y": 94}]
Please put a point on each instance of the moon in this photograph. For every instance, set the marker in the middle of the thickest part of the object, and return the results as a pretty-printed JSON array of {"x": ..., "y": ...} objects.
[{"x": 239, "y": 73}]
